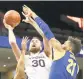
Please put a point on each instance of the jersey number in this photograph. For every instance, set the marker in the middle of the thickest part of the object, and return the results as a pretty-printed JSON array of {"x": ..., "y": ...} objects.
[
  {"x": 38, "y": 63},
  {"x": 71, "y": 64}
]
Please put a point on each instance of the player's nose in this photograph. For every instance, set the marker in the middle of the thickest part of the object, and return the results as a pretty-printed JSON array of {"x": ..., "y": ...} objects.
[{"x": 34, "y": 42}]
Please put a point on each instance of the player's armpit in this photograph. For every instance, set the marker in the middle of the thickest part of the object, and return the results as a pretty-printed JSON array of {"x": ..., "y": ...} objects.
[{"x": 12, "y": 42}]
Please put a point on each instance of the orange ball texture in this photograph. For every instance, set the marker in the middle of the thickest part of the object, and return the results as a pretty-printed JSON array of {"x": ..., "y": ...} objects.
[{"x": 12, "y": 18}]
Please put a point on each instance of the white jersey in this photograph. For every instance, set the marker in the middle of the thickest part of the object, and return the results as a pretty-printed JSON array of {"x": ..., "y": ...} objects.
[{"x": 37, "y": 66}]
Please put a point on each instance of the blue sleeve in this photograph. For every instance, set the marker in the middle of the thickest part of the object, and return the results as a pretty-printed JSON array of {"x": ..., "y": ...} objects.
[{"x": 44, "y": 27}]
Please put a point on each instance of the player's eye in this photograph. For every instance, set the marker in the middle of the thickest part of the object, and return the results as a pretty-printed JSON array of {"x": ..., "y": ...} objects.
[{"x": 36, "y": 41}]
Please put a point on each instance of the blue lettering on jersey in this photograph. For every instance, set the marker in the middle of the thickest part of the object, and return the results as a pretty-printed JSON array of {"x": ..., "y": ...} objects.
[{"x": 37, "y": 57}]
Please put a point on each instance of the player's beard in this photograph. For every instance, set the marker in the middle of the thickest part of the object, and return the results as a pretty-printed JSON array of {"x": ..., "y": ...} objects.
[{"x": 34, "y": 50}]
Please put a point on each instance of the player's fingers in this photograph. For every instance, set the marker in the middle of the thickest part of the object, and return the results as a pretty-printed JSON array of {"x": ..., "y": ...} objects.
[
  {"x": 24, "y": 20},
  {"x": 26, "y": 37},
  {"x": 31, "y": 20},
  {"x": 23, "y": 38},
  {"x": 25, "y": 6},
  {"x": 23, "y": 14},
  {"x": 4, "y": 22}
]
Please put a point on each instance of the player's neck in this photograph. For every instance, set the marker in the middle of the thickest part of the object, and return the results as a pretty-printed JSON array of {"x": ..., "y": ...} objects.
[{"x": 34, "y": 53}]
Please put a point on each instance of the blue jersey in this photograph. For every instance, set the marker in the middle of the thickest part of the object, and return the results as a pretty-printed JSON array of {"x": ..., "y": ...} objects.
[{"x": 64, "y": 68}]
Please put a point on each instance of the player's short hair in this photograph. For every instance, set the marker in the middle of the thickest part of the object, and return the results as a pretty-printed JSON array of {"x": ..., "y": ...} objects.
[
  {"x": 75, "y": 43},
  {"x": 37, "y": 38}
]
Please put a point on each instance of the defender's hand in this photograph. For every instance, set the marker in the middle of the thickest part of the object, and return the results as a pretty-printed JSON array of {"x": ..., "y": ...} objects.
[
  {"x": 28, "y": 19},
  {"x": 27, "y": 10}
]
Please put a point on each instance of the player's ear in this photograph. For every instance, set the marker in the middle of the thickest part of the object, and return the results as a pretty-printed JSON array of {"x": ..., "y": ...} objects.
[{"x": 70, "y": 48}]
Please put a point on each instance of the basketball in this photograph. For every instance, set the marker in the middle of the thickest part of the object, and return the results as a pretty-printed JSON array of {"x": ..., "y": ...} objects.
[{"x": 12, "y": 18}]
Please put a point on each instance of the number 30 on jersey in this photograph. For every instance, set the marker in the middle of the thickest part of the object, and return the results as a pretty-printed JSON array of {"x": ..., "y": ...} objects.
[{"x": 40, "y": 63}]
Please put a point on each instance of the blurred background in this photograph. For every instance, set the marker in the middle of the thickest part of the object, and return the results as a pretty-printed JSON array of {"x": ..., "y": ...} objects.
[{"x": 54, "y": 13}]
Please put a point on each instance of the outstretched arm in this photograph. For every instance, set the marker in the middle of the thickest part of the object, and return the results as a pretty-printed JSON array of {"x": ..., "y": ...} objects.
[
  {"x": 55, "y": 43},
  {"x": 47, "y": 48},
  {"x": 47, "y": 32},
  {"x": 45, "y": 41},
  {"x": 43, "y": 26},
  {"x": 12, "y": 41}
]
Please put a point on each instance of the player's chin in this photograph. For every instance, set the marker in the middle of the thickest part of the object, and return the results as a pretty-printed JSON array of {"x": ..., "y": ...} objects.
[{"x": 34, "y": 50}]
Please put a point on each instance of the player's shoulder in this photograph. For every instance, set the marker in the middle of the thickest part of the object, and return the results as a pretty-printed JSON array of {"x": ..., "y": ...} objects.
[{"x": 69, "y": 55}]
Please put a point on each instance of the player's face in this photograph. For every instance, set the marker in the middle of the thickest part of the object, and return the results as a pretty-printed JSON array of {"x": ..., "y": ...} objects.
[
  {"x": 35, "y": 45},
  {"x": 66, "y": 45}
]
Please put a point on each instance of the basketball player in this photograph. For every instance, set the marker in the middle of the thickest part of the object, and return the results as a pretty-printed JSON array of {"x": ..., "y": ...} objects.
[
  {"x": 64, "y": 65},
  {"x": 37, "y": 64}
]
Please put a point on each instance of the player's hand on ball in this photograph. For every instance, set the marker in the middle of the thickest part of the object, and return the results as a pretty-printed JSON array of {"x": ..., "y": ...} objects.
[
  {"x": 24, "y": 43},
  {"x": 6, "y": 25}
]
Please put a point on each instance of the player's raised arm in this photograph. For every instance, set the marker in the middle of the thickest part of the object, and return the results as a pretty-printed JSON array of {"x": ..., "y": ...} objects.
[
  {"x": 43, "y": 26},
  {"x": 46, "y": 30},
  {"x": 47, "y": 49},
  {"x": 12, "y": 41}
]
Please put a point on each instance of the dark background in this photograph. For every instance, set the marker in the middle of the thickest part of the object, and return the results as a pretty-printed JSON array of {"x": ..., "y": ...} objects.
[{"x": 50, "y": 12}]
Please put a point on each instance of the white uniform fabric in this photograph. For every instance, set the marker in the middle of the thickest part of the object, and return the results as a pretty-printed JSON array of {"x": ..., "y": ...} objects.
[{"x": 37, "y": 66}]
